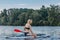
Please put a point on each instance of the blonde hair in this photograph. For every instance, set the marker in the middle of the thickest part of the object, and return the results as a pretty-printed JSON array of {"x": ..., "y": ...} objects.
[{"x": 29, "y": 20}]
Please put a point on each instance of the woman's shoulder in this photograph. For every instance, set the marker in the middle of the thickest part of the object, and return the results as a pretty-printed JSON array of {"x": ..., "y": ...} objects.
[{"x": 27, "y": 25}]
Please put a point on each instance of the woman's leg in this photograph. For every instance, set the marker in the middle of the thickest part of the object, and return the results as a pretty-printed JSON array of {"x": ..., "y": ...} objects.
[
  {"x": 33, "y": 35},
  {"x": 26, "y": 33}
]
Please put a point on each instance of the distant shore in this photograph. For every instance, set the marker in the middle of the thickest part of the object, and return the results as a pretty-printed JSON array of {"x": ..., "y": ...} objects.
[{"x": 45, "y": 16}]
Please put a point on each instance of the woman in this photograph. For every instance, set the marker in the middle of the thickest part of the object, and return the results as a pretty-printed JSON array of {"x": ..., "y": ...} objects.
[{"x": 28, "y": 30}]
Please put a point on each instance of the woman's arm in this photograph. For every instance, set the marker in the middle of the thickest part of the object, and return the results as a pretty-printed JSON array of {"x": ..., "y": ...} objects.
[
  {"x": 31, "y": 30},
  {"x": 33, "y": 34}
]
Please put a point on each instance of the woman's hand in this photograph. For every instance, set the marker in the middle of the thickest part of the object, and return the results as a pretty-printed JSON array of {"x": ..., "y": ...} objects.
[{"x": 34, "y": 35}]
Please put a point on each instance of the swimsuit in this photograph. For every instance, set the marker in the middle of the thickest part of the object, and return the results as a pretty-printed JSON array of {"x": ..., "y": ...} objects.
[{"x": 25, "y": 33}]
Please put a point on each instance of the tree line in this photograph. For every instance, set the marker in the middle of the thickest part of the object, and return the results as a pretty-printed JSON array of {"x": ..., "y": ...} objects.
[{"x": 45, "y": 16}]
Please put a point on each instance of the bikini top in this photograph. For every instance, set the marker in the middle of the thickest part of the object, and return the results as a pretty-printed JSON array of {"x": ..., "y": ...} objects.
[{"x": 27, "y": 28}]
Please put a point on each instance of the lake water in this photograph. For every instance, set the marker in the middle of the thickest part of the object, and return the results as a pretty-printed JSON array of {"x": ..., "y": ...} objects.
[{"x": 52, "y": 31}]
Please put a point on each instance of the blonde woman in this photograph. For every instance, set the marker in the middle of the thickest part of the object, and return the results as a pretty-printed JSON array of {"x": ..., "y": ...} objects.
[{"x": 28, "y": 30}]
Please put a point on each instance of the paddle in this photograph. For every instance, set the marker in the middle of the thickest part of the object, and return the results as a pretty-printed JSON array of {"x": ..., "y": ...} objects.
[{"x": 17, "y": 30}]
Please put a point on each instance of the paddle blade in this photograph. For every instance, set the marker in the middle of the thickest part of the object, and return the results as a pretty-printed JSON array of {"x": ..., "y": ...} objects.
[{"x": 17, "y": 30}]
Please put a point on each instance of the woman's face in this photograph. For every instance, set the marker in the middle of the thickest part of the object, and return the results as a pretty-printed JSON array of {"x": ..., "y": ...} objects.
[{"x": 30, "y": 21}]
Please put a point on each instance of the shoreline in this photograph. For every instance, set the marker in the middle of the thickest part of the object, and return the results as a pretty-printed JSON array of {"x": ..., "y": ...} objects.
[{"x": 38, "y": 26}]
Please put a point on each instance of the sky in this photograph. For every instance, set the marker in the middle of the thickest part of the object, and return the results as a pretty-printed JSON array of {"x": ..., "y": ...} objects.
[{"x": 35, "y": 4}]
